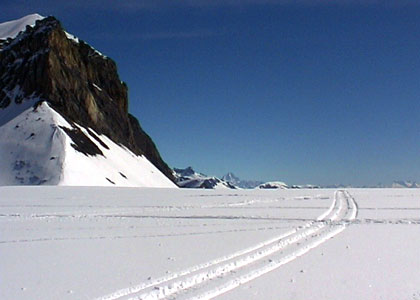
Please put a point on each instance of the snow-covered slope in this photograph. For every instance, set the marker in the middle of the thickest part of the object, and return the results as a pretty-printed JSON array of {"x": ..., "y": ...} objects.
[
  {"x": 40, "y": 147},
  {"x": 12, "y": 28},
  {"x": 188, "y": 178}
]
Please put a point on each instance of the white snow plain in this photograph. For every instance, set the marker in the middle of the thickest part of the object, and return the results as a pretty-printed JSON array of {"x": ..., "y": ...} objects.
[{"x": 141, "y": 243}]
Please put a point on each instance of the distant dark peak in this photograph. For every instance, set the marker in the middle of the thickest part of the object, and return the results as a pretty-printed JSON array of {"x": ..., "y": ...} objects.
[
  {"x": 185, "y": 172},
  {"x": 230, "y": 177}
]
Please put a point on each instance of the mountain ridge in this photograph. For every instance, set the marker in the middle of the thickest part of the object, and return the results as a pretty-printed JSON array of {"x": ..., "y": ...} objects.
[
  {"x": 245, "y": 184},
  {"x": 188, "y": 178},
  {"x": 44, "y": 63}
]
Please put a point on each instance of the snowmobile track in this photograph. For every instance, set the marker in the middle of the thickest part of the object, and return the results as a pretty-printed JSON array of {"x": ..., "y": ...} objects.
[{"x": 215, "y": 277}]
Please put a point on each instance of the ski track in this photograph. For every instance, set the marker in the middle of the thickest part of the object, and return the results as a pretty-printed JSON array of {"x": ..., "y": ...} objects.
[{"x": 218, "y": 276}]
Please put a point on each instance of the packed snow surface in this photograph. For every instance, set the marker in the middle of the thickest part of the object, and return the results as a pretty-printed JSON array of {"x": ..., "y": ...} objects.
[
  {"x": 139, "y": 243},
  {"x": 39, "y": 146},
  {"x": 12, "y": 28}
]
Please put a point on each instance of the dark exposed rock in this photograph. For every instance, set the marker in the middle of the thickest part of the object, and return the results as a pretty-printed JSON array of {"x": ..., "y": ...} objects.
[
  {"x": 92, "y": 134},
  {"x": 109, "y": 180},
  {"x": 5, "y": 102},
  {"x": 148, "y": 147},
  {"x": 78, "y": 82},
  {"x": 189, "y": 171},
  {"x": 82, "y": 143}
]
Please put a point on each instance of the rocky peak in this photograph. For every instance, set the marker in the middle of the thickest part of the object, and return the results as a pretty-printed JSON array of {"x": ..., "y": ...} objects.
[
  {"x": 188, "y": 178},
  {"x": 230, "y": 177},
  {"x": 245, "y": 184},
  {"x": 45, "y": 62},
  {"x": 189, "y": 171}
]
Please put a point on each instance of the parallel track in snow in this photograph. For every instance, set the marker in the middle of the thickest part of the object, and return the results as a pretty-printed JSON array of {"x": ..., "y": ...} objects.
[{"x": 215, "y": 277}]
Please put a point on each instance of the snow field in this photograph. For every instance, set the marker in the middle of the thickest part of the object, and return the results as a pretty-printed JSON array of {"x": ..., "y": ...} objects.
[
  {"x": 374, "y": 258},
  {"x": 140, "y": 243},
  {"x": 246, "y": 265}
]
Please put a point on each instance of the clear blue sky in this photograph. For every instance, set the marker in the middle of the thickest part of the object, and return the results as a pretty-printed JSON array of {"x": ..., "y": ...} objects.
[{"x": 316, "y": 92}]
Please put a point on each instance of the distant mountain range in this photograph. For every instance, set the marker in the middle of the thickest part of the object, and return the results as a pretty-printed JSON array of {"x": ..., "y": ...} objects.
[
  {"x": 405, "y": 184},
  {"x": 252, "y": 184},
  {"x": 396, "y": 184},
  {"x": 244, "y": 184},
  {"x": 273, "y": 185},
  {"x": 188, "y": 178}
]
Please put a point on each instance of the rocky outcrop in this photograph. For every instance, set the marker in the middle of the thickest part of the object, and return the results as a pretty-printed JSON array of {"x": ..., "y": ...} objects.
[{"x": 80, "y": 83}]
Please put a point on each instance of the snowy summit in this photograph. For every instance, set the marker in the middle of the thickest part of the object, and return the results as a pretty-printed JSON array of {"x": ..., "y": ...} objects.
[{"x": 12, "y": 28}]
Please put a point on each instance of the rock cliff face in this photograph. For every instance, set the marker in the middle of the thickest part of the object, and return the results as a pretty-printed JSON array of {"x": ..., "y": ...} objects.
[{"x": 81, "y": 84}]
